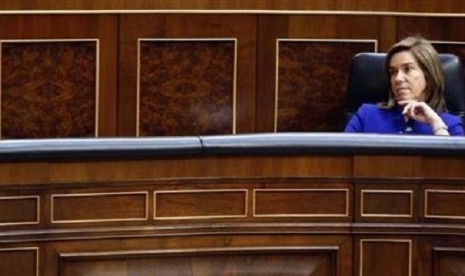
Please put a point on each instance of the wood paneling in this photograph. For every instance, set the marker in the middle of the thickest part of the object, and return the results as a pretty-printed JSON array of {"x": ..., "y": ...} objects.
[
  {"x": 276, "y": 261},
  {"x": 306, "y": 216},
  {"x": 381, "y": 200},
  {"x": 149, "y": 26},
  {"x": 313, "y": 62},
  {"x": 393, "y": 166},
  {"x": 17, "y": 210},
  {"x": 324, "y": 203},
  {"x": 451, "y": 167},
  {"x": 386, "y": 203},
  {"x": 385, "y": 257},
  {"x": 442, "y": 257},
  {"x": 387, "y": 200},
  {"x": 437, "y": 203},
  {"x": 49, "y": 88},
  {"x": 328, "y": 215},
  {"x": 312, "y": 79},
  {"x": 186, "y": 87},
  {"x": 255, "y": 87},
  {"x": 270, "y": 29},
  {"x": 435, "y": 28},
  {"x": 78, "y": 208},
  {"x": 448, "y": 261},
  {"x": 21, "y": 261},
  {"x": 35, "y": 173},
  {"x": 71, "y": 68},
  {"x": 197, "y": 204}
]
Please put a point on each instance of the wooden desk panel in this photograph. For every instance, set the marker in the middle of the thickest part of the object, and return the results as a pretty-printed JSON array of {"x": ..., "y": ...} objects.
[{"x": 295, "y": 214}]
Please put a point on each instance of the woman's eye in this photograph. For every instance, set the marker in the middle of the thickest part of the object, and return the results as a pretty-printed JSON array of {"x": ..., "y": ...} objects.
[{"x": 409, "y": 68}]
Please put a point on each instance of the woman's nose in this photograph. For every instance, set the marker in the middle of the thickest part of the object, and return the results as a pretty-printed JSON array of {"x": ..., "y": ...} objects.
[{"x": 399, "y": 77}]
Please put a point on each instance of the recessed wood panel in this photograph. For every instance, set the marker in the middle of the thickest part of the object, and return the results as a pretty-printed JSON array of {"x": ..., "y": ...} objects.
[
  {"x": 186, "y": 87},
  {"x": 227, "y": 261},
  {"x": 188, "y": 73},
  {"x": 449, "y": 261},
  {"x": 385, "y": 257},
  {"x": 200, "y": 204},
  {"x": 49, "y": 88},
  {"x": 386, "y": 203},
  {"x": 445, "y": 204},
  {"x": 17, "y": 210},
  {"x": 301, "y": 202},
  {"x": 99, "y": 207},
  {"x": 311, "y": 82},
  {"x": 451, "y": 47},
  {"x": 19, "y": 261},
  {"x": 320, "y": 78}
]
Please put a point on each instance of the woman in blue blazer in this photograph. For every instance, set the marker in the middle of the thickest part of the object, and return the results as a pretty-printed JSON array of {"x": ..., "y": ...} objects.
[{"x": 416, "y": 102}]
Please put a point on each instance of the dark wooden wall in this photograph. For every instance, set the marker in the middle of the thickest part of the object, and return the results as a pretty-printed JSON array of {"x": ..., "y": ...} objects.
[
  {"x": 242, "y": 215},
  {"x": 124, "y": 73}
]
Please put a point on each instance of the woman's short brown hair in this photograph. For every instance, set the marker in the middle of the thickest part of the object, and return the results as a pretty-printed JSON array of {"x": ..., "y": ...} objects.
[{"x": 428, "y": 60}]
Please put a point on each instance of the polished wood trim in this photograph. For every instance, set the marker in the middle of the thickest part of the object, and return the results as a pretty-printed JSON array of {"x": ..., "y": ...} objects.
[
  {"x": 233, "y": 11},
  {"x": 365, "y": 191},
  {"x": 52, "y": 208},
  {"x": 58, "y": 40},
  {"x": 26, "y": 222},
  {"x": 97, "y": 86},
  {"x": 203, "y": 250},
  {"x": 386, "y": 241},
  {"x": 234, "y": 107},
  {"x": 345, "y": 214},
  {"x": 444, "y": 192},
  {"x": 35, "y": 249},
  {"x": 245, "y": 191}
]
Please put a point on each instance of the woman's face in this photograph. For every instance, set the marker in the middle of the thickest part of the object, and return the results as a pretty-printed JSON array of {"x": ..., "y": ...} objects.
[{"x": 408, "y": 81}]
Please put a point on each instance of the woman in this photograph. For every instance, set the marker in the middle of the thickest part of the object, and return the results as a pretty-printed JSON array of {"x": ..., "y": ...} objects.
[{"x": 416, "y": 102}]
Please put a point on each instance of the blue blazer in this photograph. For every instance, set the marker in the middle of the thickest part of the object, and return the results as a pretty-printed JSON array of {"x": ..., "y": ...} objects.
[{"x": 371, "y": 119}]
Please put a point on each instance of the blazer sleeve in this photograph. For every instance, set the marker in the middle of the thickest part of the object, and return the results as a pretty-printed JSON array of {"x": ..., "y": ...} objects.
[{"x": 456, "y": 128}]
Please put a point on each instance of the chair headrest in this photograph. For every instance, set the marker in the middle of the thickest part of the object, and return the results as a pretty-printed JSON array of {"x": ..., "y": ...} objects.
[{"x": 368, "y": 82}]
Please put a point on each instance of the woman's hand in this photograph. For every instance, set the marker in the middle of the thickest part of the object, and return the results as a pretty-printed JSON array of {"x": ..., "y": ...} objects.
[{"x": 422, "y": 112}]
